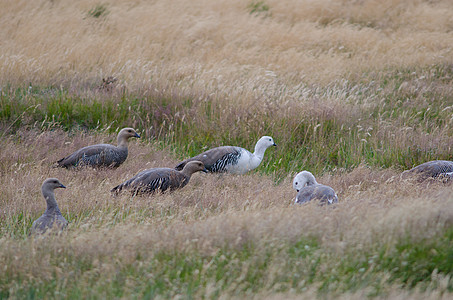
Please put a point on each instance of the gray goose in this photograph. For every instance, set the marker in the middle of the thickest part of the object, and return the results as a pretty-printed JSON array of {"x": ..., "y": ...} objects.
[
  {"x": 52, "y": 217},
  {"x": 160, "y": 179},
  {"x": 308, "y": 189},
  {"x": 431, "y": 169},
  {"x": 232, "y": 159},
  {"x": 101, "y": 155}
]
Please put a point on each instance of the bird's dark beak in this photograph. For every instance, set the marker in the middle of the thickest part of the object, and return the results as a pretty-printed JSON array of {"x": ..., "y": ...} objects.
[
  {"x": 275, "y": 145},
  {"x": 136, "y": 135},
  {"x": 62, "y": 186},
  {"x": 204, "y": 170}
]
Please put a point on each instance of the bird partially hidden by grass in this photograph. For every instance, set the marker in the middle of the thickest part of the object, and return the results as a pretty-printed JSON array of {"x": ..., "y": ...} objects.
[
  {"x": 435, "y": 169},
  {"x": 160, "y": 179},
  {"x": 309, "y": 189},
  {"x": 52, "y": 217}
]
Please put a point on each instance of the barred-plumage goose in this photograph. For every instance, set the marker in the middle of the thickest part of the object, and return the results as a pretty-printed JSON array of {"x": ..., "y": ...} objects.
[
  {"x": 309, "y": 189},
  {"x": 160, "y": 179},
  {"x": 52, "y": 217},
  {"x": 431, "y": 169},
  {"x": 101, "y": 155},
  {"x": 232, "y": 159}
]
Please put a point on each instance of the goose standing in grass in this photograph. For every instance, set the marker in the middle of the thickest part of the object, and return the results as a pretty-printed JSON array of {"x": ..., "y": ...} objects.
[
  {"x": 431, "y": 169},
  {"x": 52, "y": 217},
  {"x": 101, "y": 155},
  {"x": 308, "y": 189},
  {"x": 152, "y": 180},
  {"x": 232, "y": 159}
]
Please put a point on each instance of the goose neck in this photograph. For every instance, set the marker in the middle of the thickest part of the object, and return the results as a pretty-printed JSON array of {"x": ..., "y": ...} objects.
[
  {"x": 259, "y": 151},
  {"x": 122, "y": 142},
  {"x": 52, "y": 206}
]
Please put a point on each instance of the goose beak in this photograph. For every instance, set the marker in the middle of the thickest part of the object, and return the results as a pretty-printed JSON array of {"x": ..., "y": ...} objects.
[
  {"x": 275, "y": 145},
  {"x": 204, "y": 170},
  {"x": 136, "y": 135},
  {"x": 62, "y": 186}
]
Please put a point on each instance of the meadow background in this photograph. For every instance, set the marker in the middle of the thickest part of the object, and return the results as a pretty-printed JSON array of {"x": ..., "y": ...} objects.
[{"x": 353, "y": 91}]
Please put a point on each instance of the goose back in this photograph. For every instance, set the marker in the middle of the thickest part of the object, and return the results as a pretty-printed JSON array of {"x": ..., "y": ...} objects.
[
  {"x": 152, "y": 180},
  {"x": 47, "y": 221},
  {"x": 101, "y": 155},
  {"x": 430, "y": 169},
  {"x": 216, "y": 159},
  {"x": 325, "y": 194},
  {"x": 160, "y": 179}
]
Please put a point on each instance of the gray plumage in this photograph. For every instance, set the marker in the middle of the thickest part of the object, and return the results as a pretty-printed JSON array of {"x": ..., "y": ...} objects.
[
  {"x": 309, "y": 189},
  {"x": 160, "y": 179},
  {"x": 52, "y": 217},
  {"x": 101, "y": 155},
  {"x": 431, "y": 169},
  {"x": 232, "y": 159}
]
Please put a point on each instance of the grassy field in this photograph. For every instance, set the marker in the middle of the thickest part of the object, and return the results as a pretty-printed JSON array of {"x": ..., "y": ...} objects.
[{"x": 353, "y": 91}]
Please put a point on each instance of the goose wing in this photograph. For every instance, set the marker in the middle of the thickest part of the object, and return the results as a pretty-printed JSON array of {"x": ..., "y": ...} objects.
[
  {"x": 433, "y": 169},
  {"x": 95, "y": 155},
  {"x": 148, "y": 181},
  {"x": 320, "y": 192},
  {"x": 215, "y": 159}
]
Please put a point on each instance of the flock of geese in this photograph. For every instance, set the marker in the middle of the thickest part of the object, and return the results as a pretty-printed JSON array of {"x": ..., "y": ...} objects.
[{"x": 224, "y": 159}]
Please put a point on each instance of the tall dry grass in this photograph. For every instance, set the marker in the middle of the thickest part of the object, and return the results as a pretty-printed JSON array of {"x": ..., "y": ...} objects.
[
  {"x": 220, "y": 48},
  {"x": 210, "y": 218}
]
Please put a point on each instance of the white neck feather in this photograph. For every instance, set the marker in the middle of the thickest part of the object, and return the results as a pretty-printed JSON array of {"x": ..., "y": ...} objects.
[{"x": 259, "y": 151}]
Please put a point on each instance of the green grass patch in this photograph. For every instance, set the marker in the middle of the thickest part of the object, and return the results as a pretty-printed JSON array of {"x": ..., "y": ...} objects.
[
  {"x": 100, "y": 10},
  {"x": 259, "y": 8},
  {"x": 241, "y": 271},
  {"x": 408, "y": 126}
]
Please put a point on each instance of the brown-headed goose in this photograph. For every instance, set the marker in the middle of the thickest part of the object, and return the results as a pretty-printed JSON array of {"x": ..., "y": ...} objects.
[
  {"x": 101, "y": 155},
  {"x": 160, "y": 179},
  {"x": 232, "y": 159}
]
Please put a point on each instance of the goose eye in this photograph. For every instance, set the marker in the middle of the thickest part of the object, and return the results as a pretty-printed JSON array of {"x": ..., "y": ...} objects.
[
  {"x": 270, "y": 140},
  {"x": 296, "y": 183}
]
